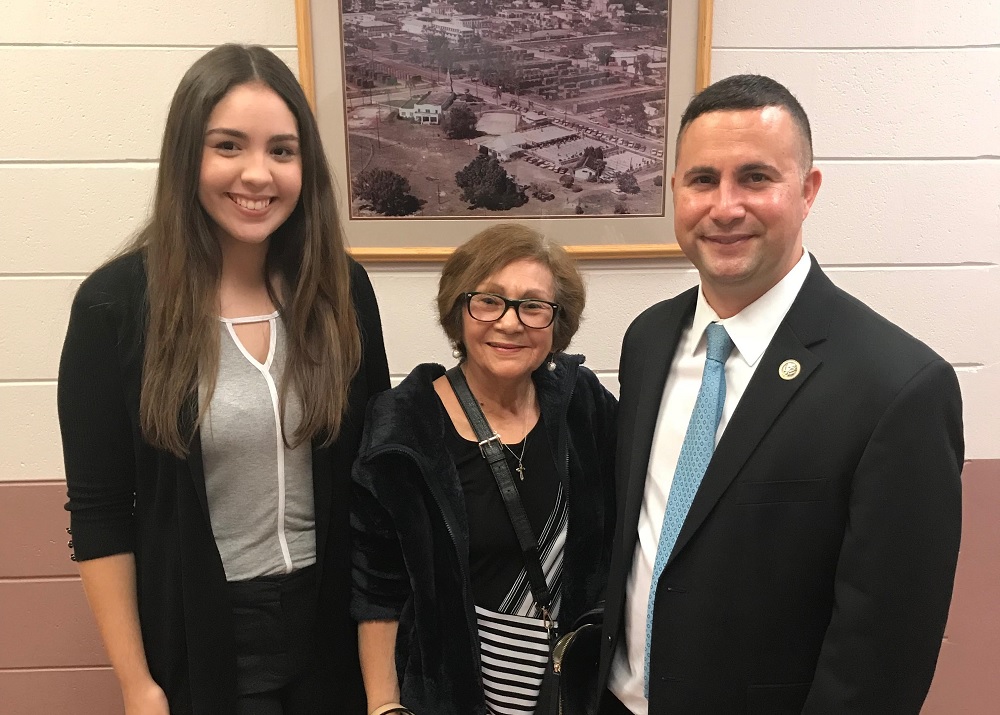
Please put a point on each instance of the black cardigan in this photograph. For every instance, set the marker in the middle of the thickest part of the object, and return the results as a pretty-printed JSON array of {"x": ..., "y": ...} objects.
[
  {"x": 126, "y": 496},
  {"x": 412, "y": 535}
]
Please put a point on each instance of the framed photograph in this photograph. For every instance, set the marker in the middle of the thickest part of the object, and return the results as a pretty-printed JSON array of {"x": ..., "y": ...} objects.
[{"x": 440, "y": 116}]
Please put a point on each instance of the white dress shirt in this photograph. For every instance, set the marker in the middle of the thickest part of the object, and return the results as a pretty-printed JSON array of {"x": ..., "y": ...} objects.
[{"x": 751, "y": 331}]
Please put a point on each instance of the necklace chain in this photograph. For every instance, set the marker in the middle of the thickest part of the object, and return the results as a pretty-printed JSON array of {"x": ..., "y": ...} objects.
[
  {"x": 524, "y": 445},
  {"x": 520, "y": 460}
]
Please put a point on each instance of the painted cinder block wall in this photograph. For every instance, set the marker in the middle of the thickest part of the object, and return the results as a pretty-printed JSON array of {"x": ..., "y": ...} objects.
[{"x": 903, "y": 99}]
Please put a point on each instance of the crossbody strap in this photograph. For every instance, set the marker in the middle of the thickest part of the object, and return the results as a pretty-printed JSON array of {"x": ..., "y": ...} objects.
[{"x": 492, "y": 450}]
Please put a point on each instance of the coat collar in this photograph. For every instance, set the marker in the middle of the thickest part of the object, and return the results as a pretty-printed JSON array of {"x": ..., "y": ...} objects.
[
  {"x": 806, "y": 324},
  {"x": 392, "y": 428},
  {"x": 390, "y": 418}
]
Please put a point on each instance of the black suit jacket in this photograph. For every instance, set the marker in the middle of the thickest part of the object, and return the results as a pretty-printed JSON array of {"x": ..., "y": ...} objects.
[{"x": 814, "y": 570}]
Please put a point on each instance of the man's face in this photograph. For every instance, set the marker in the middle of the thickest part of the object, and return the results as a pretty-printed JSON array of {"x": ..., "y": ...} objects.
[{"x": 741, "y": 192}]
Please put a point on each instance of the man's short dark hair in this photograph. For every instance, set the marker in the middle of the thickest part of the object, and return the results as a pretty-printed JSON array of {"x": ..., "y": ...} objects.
[{"x": 748, "y": 91}]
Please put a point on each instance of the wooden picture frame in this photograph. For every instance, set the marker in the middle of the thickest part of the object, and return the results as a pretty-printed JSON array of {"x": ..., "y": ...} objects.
[{"x": 432, "y": 238}]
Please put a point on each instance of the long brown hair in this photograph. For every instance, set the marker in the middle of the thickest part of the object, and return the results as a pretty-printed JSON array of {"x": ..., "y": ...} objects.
[{"x": 184, "y": 266}]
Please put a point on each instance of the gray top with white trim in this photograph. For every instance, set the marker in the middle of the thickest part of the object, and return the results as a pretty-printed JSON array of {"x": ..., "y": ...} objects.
[{"x": 260, "y": 492}]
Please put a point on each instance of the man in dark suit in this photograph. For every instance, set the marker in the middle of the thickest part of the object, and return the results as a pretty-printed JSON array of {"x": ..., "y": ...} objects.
[{"x": 806, "y": 564}]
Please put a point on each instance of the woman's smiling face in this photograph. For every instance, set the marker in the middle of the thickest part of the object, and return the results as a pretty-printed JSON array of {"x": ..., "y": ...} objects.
[
  {"x": 505, "y": 349},
  {"x": 251, "y": 168}
]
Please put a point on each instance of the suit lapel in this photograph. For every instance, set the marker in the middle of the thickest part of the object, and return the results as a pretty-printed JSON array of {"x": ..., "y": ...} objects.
[
  {"x": 652, "y": 356},
  {"x": 765, "y": 397}
]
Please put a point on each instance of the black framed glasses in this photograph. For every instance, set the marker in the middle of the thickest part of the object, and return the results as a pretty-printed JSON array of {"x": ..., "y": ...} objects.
[{"x": 490, "y": 307}]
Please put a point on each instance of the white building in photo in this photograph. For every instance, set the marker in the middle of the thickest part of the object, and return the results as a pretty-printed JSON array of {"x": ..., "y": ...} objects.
[
  {"x": 454, "y": 33},
  {"x": 429, "y": 109}
]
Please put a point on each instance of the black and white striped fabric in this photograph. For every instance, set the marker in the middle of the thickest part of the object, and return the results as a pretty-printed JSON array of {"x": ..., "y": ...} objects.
[{"x": 514, "y": 646}]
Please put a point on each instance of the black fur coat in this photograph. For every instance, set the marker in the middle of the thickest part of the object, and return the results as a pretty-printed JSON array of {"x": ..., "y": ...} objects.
[{"x": 411, "y": 533}]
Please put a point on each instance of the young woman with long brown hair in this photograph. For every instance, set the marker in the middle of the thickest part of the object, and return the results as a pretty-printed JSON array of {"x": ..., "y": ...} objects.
[{"x": 211, "y": 396}]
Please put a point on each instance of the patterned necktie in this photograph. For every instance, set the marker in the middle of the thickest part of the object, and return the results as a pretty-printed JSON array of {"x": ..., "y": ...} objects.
[{"x": 696, "y": 451}]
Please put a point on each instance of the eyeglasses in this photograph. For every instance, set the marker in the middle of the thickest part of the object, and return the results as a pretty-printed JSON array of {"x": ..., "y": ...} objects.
[{"x": 490, "y": 307}]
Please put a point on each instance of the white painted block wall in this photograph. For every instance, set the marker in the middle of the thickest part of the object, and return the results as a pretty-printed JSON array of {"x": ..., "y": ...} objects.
[{"x": 903, "y": 97}]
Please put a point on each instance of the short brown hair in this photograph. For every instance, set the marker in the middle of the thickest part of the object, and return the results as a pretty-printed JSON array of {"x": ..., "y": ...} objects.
[
  {"x": 488, "y": 252},
  {"x": 749, "y": 91}
]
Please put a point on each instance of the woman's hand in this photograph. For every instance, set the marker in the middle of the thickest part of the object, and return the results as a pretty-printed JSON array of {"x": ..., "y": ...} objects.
[
  {"x": 110, "y": 586},
  {"x": 145, "y": 699}
]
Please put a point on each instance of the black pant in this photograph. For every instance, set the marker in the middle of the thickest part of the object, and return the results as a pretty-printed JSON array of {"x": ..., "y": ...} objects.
[
  {"x": 276, "y": 658},
  {"x": 610, "y": 705}
]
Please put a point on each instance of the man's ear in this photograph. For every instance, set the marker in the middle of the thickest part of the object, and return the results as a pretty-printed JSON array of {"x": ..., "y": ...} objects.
[{"x": 810, "y": 187}]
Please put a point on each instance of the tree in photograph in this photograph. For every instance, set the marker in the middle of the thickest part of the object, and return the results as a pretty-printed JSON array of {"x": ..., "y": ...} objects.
[
  {"x": 414, "y": 56},
  {"x": 440, "y": 51},
  {"x": 393, "y": 47},
  {"x": 435, "y": 43},
  {"x": 386, "y": 191},
  {"x": 486, "y": 184},
  {"x": 603, "y": 55},
  {"x": 566, "y": 180},
  {"x": 445, "y": 58},
  {"x": 621, "y": 208},
  {"x": 460, "y": 122},
  {"x": 637, "y": 115},
  {"x": 642, "y": 65},
  {"x": 658, "y": 180},
  {"x": 628, "y": 184},
  {"x": 593, "y": 159},
  {"x": 612, "y": 115}
]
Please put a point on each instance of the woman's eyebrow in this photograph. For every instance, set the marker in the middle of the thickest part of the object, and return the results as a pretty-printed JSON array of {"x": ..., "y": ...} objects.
[{"x": 237, "y": 134}]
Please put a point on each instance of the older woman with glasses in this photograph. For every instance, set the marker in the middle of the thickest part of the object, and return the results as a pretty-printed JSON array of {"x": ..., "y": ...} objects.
[{"x": 455, "y": 612}]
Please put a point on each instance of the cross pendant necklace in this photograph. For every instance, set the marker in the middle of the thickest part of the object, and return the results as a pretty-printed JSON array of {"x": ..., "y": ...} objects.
[{"x": 520, "y": 460}]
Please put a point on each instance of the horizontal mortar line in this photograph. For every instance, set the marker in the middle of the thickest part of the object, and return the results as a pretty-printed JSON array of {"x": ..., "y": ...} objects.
[
  {"x": 26, "y": 276},
  {"x": 889, "y": 267},
  {"x": 30, "y": 382},
  {"x": 56, "y": 669},
  {"x": 70, "y": 163},
  {"x": 907, "y": 159},
  {"x": 876, "y": 48},
  {"x": 40, "y": 579},
  {"x": 123, "y": 46}
]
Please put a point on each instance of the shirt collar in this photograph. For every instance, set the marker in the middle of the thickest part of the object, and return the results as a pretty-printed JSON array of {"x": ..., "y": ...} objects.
[{"x": 752, "y": 329}]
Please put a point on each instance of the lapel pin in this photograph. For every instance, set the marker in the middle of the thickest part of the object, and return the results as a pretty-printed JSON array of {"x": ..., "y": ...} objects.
[{"x": 789, "y": 370}]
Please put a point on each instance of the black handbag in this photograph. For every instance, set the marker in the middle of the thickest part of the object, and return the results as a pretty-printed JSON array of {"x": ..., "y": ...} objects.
[{"x": 569, "y": 685}]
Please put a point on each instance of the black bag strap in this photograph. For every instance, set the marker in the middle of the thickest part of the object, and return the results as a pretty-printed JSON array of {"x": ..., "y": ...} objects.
[{"x": 493, "y": 451}]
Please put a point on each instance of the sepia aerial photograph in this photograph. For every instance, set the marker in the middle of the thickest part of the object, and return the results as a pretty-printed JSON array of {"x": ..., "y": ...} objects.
[{"x": 475, "y": 108}]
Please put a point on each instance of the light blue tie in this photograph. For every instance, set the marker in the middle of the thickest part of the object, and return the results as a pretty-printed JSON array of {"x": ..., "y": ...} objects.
[{"x": 696, "y": 451}]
